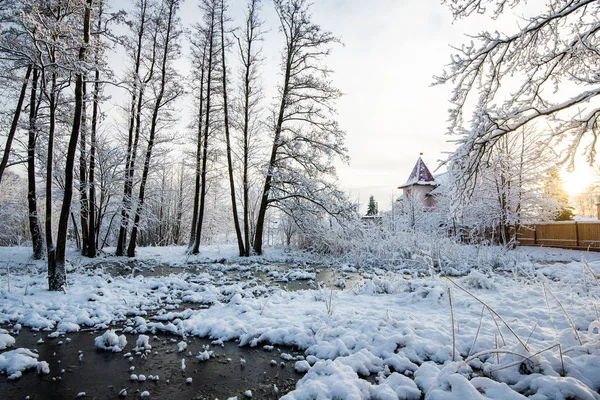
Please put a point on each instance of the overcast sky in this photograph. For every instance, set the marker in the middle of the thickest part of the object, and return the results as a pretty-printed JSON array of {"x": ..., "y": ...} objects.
[{"x": 391, "y": 51}]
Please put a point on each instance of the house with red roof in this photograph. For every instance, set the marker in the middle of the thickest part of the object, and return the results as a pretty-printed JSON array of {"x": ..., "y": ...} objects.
[{"x": 419, "y": 185}]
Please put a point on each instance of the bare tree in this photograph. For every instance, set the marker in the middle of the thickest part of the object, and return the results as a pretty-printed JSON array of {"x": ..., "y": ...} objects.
[
  {"x": 15, "y": 121},
  {"x": 18, "y": 53},
  {"x": 527, "y": 76},
  {"x": 305, "y": 136},
  {"x": 199, "y": 56},
  {"x": 209, "y": 33},
  {"x": 511, "y": 189},
  {"x": 92, "y": 236},
  {"x": 167, "y": 90},
  {"x": 250, "y": 56},
  {"x": 57, "y": 277},
  {"x": 37, "y": 239},
  {"x": 142, "y": 27},
  {"x": 236, "y": 220},
  {"x": 57, "y": 45}
]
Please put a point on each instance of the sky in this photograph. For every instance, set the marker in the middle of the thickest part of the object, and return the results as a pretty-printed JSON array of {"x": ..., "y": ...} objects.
[
  {"x": 390, "y": 111},
  {"x": 391, "y": 50}
]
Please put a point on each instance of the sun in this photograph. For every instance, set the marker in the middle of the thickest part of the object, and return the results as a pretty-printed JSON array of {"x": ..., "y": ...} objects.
[{"x": 577, "y": 181}]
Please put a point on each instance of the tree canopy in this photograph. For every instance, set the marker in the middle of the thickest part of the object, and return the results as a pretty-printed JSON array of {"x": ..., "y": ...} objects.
[{"x": 544, "y": 73}]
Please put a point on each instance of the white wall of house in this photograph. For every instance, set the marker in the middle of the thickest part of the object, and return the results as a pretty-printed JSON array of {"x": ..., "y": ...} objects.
[{"x": 419, "y": 193}]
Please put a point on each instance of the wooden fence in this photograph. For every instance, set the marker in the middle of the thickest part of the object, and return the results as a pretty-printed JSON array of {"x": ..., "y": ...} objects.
[{"x": 569, "y": 234}]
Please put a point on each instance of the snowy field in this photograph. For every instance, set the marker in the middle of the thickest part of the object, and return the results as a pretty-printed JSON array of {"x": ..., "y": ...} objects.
[{"x": 529, "y": 328}]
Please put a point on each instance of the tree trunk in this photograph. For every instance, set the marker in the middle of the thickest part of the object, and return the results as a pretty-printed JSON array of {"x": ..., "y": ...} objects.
[
  {"x": 15, "y": 122},
  {"x": 179, "y": 209},
  {"x": 236, "y": 221},
  {"x": 50, "y": 248},
  {"x": 35, "y": 229},
  {"x": 83, "y": 198},
  {"x": 196, "y": 247},
  {"x": 92, "y": 237},
  {"x": 248, "y": 59},
  {"x": 198, "y": 153},
  {"x": 76, "y": 231}
]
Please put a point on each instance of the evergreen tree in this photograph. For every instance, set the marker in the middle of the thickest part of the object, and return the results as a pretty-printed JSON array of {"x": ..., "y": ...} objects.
[{"x": 372, "y": 207}]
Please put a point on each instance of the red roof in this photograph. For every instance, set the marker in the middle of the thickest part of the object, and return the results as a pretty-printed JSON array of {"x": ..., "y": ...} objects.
[{"x": 420, "y": 175}]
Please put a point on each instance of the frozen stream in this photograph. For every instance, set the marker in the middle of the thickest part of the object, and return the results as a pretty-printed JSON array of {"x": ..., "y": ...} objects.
[
  {"x": 288, "y": 277},
  {"x": 77, "y": 366}
]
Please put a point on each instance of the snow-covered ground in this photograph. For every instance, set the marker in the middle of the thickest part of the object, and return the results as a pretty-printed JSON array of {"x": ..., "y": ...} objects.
[{"x": 531, "y": 329}]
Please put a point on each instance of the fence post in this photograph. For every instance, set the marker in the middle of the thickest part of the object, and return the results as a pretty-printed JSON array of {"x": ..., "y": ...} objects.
[{"x": 576, "y": 234}]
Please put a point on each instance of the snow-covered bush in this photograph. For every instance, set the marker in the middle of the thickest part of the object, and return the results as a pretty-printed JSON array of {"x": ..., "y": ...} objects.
[{"x": 387, "y": 243}]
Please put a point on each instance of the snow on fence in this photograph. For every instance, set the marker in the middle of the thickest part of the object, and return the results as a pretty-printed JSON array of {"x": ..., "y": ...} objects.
[{"x": 568, "y": 234}]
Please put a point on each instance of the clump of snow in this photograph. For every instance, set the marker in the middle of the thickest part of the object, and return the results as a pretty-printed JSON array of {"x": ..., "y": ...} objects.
[
  {"x": 43, "y": 368},
  {"x": 181, "y": 346},
  {"x": 6, "y": 340},
  {"x": 67, "y": 326},
  {"x": 477, "y": 280},
  {"x": 396, "y": 386},
  {"x": 189, "y": 380},
  {"x": 554, "y": 387},
  {"x": 204, "y": 355},
  {"x": 330, "y": 380},
  {"x": 144, "y": 394},
  {"x": 299, "y": 274},
  {"x": 111, "y": 341},
  {"x": 142, "y": 343},
  {"x": 302, "y": 366},
  {"x": 14, "y": 362}
]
